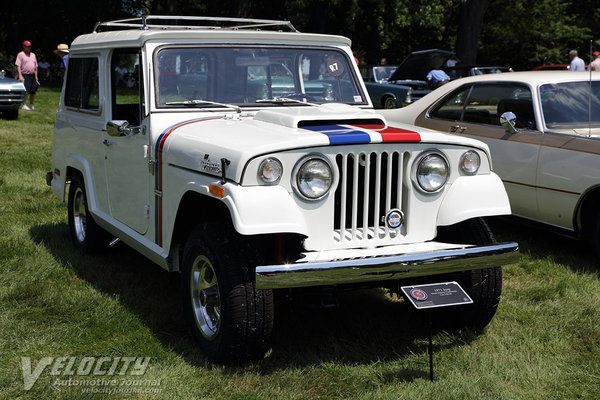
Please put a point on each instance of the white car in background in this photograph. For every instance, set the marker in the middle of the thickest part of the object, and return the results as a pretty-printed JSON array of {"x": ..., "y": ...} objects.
[{"x": 543, "y": 129}]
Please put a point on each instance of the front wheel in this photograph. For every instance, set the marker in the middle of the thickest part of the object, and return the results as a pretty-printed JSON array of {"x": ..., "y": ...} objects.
[
  {"x": 484, "y": 286},
  {"x": 596, "y": 237},
  {"x": 229, "y": 318},
  {"x": 390, "y": 103}
]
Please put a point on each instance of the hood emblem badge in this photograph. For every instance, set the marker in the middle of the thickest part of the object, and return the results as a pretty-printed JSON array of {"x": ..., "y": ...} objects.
[{"x": 394, "y": 219}]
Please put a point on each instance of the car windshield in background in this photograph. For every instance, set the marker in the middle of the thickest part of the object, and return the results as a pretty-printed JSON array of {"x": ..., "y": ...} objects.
[
  {"x": 383, "y": 73},
  {"x": 572, "y": 104},
  {"x": 251, "y": 76}
]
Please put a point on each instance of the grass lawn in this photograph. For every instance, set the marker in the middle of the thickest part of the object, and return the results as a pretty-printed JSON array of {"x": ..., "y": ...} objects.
[{"x": 544, "y": 342}]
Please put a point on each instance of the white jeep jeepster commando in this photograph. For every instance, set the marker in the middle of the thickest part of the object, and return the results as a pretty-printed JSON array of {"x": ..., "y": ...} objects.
[{"x": 250, "y": 160}]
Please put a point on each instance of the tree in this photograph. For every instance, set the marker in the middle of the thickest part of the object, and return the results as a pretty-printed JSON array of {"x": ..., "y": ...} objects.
[
  {"x": 526, "y": 33},
  {"x": 470, "y": 22}
]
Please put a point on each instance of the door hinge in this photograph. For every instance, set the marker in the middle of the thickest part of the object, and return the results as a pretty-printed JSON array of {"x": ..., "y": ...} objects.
[{"x": 158, "y": 193}]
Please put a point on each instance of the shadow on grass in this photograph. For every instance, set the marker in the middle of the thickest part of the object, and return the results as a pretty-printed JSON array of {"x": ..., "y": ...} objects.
[
  {"x": 366, "y": 327},
  {"x": 541, "y": 242}
]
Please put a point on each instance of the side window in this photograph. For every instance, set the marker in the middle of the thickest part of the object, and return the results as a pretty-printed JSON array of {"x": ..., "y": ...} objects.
[
  {"x": 486, "y": 103},
  {"x": 452, "y": 108},
  {"x": 126, "y": 86},
  {"x": 82, "y": 90}
]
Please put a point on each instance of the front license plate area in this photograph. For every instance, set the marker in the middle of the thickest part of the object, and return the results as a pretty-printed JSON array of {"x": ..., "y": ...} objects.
[{"x": 435, "y": 295}]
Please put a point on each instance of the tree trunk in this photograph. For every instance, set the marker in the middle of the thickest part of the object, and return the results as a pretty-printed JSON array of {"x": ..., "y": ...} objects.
[{"x": 470, "y": 22}]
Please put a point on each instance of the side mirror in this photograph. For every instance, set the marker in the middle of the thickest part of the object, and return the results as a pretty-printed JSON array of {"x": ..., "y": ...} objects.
[
  {"x": 122, "y": 128},
  {"x": 508, "y": 120}
]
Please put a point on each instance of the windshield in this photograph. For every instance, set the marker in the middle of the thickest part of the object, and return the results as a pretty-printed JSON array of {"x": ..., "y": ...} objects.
[
  {"x": 568, "y": 104},
  {"x": 250, "y": 76}
]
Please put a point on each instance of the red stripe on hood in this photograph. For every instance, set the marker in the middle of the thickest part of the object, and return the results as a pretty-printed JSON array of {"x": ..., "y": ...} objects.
[{"x": 391, "y": 134}]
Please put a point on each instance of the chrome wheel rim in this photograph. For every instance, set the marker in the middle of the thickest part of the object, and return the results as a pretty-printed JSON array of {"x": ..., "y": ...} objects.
[
  {"x": 204, "y": 295},
  {"x": 79, "y": 214}
]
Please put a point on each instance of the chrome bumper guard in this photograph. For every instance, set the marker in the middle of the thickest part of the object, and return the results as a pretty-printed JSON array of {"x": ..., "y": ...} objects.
[{"x": 385, "y": 268}]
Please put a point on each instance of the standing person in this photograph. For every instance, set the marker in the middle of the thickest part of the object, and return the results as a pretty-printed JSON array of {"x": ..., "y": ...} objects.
[
  {"x": 62, "y": 50},
  {"x": 595, "y": 65},
  {"x": 577, "y": 63},
  {"x": 27, "y": 67}
]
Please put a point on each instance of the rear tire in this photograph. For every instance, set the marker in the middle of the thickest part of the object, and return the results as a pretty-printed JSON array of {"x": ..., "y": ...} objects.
[
  {"x": 484, "y": 286},
  {"x": 86, "y": 235},
  {"x": 229, "y": 318}
]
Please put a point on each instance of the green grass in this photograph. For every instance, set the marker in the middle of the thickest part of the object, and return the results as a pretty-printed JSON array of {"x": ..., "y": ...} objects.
[{"x": 544, "y": 342}]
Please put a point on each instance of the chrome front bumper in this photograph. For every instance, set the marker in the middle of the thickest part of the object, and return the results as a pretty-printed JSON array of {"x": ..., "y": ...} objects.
[{"x": 374, "y": 269}]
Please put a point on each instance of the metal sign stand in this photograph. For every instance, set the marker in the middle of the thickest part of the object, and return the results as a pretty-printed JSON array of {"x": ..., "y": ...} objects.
[
  {"x": 430, "y": 296},
  {"x": 430, "y": 345}
]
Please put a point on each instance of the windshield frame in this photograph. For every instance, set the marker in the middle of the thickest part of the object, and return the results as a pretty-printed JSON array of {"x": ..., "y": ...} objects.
[{"x": 358, "y": 82}]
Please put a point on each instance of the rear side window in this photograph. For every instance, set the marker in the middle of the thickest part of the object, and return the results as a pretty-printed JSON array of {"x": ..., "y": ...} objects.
[
  {"x": 485, "y": 103},
  {"x": 82, "y": 90}
]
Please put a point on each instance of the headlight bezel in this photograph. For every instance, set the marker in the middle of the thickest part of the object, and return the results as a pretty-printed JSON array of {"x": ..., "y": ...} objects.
[
  {"x": 298, "y": 166},
  {"x": 261, "y": 166},
  {"x": 417, "y": 163}
]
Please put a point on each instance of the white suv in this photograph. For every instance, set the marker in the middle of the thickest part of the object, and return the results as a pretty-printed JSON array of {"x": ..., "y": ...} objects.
[{"x": 251, "y": 161}]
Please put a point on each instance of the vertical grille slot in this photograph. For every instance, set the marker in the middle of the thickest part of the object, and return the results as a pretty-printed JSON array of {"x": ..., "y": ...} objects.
[{"x": 370, "y": 185}]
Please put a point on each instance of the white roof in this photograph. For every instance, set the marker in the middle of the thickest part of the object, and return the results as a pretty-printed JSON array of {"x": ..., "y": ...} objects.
[
  {"x": 531, "y": 77},
  {"x": 137, "y": 37}
]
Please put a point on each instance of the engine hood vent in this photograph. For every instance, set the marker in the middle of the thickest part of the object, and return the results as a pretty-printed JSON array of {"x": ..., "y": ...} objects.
[{"x": 326, "y": 114}]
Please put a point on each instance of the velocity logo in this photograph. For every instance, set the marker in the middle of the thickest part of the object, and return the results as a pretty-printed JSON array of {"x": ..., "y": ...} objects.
[{"x": 70, "y": 366}]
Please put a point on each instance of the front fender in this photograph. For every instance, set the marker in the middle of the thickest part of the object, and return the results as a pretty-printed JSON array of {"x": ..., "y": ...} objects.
[
  {"x": 473, "y": 196},
  {"x": 263, "y": 209}
]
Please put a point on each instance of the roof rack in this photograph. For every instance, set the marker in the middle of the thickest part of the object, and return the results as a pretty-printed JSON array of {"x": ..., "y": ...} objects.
[{"x": 181, "y": 22}]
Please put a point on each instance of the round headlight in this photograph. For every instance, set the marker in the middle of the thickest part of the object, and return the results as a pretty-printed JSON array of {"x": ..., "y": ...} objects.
[
  {"x": 470, "y": 162},
  {"x": 432, "y": 172},
  {"x": 270, "y": 170},
  {"x": 314, "y": 178}
]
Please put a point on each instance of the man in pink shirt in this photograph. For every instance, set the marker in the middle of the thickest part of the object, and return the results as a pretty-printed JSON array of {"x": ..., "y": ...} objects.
[{"x": 27, "y": 66}]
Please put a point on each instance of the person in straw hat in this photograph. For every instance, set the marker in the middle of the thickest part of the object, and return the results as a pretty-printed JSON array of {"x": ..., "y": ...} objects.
[{"x": 63, "y": 52}]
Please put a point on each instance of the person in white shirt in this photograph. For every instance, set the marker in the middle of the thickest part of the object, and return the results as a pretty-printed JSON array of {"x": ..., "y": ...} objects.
[{"x": 577, "y": 63}]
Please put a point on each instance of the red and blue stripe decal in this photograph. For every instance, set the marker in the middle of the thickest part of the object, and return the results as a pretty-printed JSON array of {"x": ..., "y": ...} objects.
[{"x": 362, "y": 134}]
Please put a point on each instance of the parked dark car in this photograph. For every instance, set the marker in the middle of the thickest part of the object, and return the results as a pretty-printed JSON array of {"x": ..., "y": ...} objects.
[
  {"x": 460, "y": 71},
  {"x": 385, "y": 94}
]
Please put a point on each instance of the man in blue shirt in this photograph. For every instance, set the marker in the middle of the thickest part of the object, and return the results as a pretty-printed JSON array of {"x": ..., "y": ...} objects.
[
  {"x": 577, "y": 63},
  {"x": 437, "y": 77}
]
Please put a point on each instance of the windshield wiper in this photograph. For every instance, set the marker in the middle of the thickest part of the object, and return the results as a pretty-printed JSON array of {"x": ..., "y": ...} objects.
[
  {"x": 285, "y": 100},
  {"x": 199, "y": 102}
]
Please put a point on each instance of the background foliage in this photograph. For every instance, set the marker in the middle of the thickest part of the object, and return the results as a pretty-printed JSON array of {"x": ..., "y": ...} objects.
[{"x": 519, "y": 33}]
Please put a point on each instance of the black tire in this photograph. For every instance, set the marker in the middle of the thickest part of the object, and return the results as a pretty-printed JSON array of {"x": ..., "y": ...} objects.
[
  {"x": 11, "y": 114},
  {"x": 229, "y": 318},
  {"x": 86, "y": 235},
  {"x": 596, "y": 237},
  {"x": 390, "y": 103},
  {"x": 484, "y": 286}
]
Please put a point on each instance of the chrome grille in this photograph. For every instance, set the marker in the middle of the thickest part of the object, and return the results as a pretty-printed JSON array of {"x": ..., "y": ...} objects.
[
  {"x": 11, "y": 97},
  {"x": 370, "y": 185}
]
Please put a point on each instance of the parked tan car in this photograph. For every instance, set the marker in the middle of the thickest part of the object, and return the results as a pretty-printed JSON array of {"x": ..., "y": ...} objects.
[{"x": 543, "y": 129}]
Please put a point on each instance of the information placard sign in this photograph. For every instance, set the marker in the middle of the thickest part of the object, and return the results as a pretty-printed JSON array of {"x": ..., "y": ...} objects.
[{"x": 436, "y": 295}]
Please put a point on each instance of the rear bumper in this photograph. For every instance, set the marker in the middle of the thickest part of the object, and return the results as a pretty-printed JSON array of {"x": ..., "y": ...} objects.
[{"x": 374, "y": 269}]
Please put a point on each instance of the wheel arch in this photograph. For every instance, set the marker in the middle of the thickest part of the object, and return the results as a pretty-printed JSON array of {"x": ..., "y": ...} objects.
[
  {"x": 585, "y": 212},
  {"x": 195, "y": 208}
]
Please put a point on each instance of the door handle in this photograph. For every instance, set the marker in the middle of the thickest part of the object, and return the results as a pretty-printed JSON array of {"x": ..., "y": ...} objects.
[
  {"x": 107, "y": 142},
  {"x": 458, "y": 128}
]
